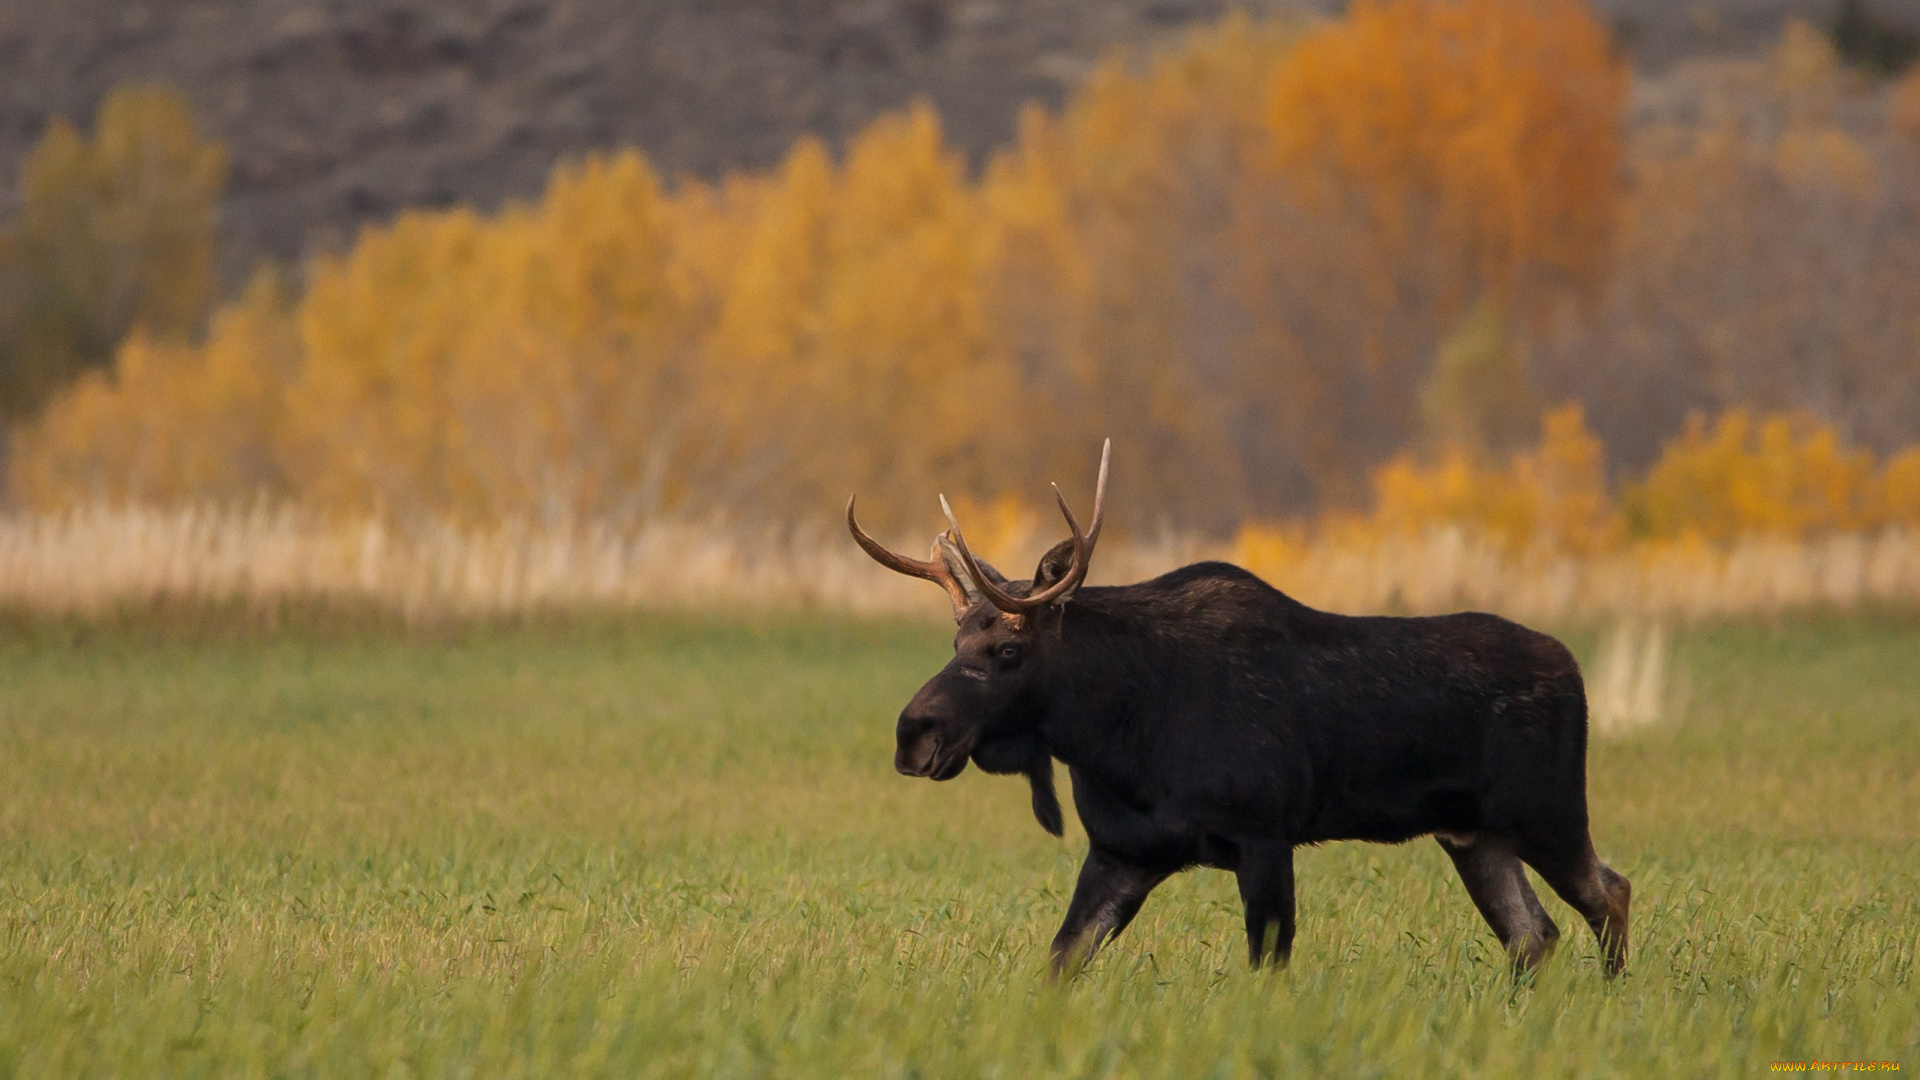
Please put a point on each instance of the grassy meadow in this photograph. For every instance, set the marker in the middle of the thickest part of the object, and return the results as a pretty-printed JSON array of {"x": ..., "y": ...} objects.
[{"x": 674, "y": 846}]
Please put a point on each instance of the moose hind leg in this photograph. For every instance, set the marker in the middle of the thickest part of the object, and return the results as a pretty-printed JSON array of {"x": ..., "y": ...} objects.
[
  {"x": 1266, "y": 888},
  {"x": 1602, "y": 896},
  {"x": 1497, "y": 882},
  {"x": 1105, "y": 899}
]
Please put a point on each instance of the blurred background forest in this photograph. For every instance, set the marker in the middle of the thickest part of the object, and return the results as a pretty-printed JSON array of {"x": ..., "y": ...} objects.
[{"x": 1419, "y": 265}]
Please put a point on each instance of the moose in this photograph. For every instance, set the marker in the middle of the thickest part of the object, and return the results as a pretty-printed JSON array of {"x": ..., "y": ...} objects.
[{"x": 1206, "y": 719}]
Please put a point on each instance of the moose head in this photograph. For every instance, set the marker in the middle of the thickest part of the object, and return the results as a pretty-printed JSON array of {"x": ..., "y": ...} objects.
[{"x": 984, "y": 704}]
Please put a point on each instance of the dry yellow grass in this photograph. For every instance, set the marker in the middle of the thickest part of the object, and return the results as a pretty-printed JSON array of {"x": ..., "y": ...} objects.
[
  {"x": 98, "y": 559},
  {"x": 1448, "y": 569}
]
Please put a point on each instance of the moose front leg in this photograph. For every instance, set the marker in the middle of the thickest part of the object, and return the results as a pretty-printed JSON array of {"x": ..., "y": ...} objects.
[
  {"x": 1105, "y": 899},
  {"x": 1266, "y": 888}
]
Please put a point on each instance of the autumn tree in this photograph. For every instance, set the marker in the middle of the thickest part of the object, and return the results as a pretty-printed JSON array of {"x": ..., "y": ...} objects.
[
  {"x": 1552, "y": 495},
  {"x": 1766, "y": 249},
  {"x": 169, "y": 421},
  {"x": 1112, "y": 291},
  {"x": 1288, "y": 267},
  {"x": 530, "y": 366},
  {"x": 1744, "y": 474},
  {"x": 116, "y": 231},
  {"x": 1423, "y": 156}
]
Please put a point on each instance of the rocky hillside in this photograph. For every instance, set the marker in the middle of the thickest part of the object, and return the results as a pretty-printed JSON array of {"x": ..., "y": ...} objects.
[{"x": 340, "y": 112}]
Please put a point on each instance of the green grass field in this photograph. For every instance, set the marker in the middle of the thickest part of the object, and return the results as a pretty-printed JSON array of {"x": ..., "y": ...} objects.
[{"x": 673, "y": 847}]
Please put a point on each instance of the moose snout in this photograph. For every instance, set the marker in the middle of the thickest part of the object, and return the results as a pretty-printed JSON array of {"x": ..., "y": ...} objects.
[
  {"x": 924, "y": 751},
  {"x": 919, "y": 744}
]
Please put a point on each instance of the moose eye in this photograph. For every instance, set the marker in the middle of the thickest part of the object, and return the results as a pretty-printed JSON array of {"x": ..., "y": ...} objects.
[{"x": 1008, "y": 652}]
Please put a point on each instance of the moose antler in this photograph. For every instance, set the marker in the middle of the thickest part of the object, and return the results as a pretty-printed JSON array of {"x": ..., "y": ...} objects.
[
  {"x": 934, "y": 570},
  {"x": 1076, "y": 571}
]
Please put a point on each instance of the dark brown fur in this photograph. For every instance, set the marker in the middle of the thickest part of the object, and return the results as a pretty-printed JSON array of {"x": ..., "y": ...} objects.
[{"x": 1208, "y": 720}]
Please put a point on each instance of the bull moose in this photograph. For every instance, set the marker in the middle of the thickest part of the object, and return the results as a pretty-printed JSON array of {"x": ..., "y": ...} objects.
[{"x": 1207, "y": 719}]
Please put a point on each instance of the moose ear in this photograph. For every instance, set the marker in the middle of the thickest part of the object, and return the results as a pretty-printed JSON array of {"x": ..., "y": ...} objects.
[
  {"x": 1053, "y": 566},
  {"x": 945, "y": 551}
]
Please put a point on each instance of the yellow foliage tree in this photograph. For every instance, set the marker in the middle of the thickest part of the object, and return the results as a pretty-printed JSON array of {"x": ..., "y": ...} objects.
[
  {"x": 171, "y": 422},
  {"x": 533, "y": 366},
  {"x": 1781, "y": 475},
  {"x": 1767, "y": 237},
  {"x": 115, "y": 232},
  {"x": 1554, "y": 496},
  {"x": 1422, "y": 157},
  {"x": 1897, "y": 501},
  {"x": 1112, "y": 294},
  {"x": 1459, "y": 489},
  {"x": 851, "y": 348},
  {"x": 1244, "y": 260},
  {"x": 365, "y": 426},
  {"x": 1487, "y": 127}
]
